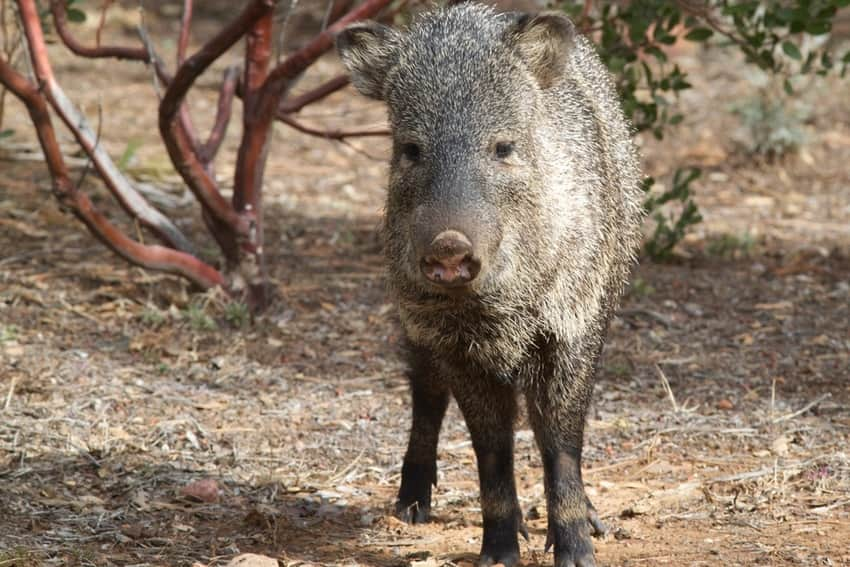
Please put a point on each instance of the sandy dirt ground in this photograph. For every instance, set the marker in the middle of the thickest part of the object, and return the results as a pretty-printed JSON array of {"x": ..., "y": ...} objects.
[{"x": 721, "y": 422}]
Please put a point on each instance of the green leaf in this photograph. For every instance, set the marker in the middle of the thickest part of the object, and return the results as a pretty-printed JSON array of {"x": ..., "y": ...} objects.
[
  {"x": 791, "y": 50},
  {"x": 656, "y": 52},
  {"x": 76, "y": 16},
  {"x": 788, "y": 88},
  {"x": 699, "y": 34},
  {"x": 129, "y": 151},
  {"x": 818, "y": 27},
  {"x": 8, "y": 133}
]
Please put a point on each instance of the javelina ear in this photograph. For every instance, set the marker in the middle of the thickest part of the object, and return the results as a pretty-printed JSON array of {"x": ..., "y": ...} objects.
[
  {"x": 544, "y": 41},
  {"x": 367, "y": 50}
]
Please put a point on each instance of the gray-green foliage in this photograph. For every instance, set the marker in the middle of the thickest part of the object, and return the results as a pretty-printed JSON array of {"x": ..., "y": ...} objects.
[
  {"x": 774, "y": 35},
  {"x": 774, "y": 126}
]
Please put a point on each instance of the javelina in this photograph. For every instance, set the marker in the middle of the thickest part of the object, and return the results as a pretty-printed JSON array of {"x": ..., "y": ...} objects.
[{"x": 512, "y": 221}]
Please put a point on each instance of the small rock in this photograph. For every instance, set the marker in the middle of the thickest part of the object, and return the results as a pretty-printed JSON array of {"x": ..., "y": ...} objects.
[
  {"x": 692, "y": 309},
  {"x": 13, "y": 350},
  {"x": 328, "y": 495},
  {"x": 780, "y": 446},
  {"x": 205, "y": 490},
  {"x": 326, "y": 510},
  {"x": 252, "y": 560}
]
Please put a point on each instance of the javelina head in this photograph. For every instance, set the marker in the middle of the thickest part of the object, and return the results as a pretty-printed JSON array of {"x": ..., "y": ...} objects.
[{"x": 464, "y": 88}]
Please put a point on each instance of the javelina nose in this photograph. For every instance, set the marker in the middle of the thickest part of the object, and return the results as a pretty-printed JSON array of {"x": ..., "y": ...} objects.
[{"x": 448, "y": 261}]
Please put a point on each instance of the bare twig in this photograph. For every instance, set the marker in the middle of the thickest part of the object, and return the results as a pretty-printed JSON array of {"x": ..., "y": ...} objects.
[
  {"x": 331, "y": 134},
  {"x": 102, "y": 22},
  {"x": 185, "y": 25},
  {"x": 762, "y": 472},
  {"x": 295, "y": 104},
  {"x": 222, "y": 118},
  {"x": 666, "y": 384},
  {"x": 10, "y": 393},
  {"x": 803, "y": 409},
  {"x": 60, "y": 21},
  {"x": 87, "y": 167}
]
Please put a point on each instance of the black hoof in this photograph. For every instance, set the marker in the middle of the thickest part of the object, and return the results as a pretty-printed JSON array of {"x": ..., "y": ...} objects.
[
  {"x": 572, "y": 544},
  {"x": 508, "y": 559},
  {"x": 414, "y": 513}
]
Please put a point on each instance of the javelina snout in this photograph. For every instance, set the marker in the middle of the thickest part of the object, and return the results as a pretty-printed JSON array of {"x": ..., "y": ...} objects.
[
  {"x": 454, "y": 234},
  {"x": 450, "y": 260}
]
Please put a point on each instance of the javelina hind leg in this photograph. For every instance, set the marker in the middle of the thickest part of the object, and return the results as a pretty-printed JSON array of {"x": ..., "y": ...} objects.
[
  {"x": 490, "y": 409},
  {"x": 419, "y": 471},
  {"x": 558, "y": 422}
]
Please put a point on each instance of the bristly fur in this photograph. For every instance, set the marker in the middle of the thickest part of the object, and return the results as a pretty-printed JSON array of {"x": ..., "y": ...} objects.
[{"x": 559, "y": 223}]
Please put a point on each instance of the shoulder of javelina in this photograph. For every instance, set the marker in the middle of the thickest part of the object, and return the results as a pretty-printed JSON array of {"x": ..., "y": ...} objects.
[{"x": 570, "y": 270}]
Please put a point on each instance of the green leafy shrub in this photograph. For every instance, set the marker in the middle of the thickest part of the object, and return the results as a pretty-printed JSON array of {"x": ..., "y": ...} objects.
[{"x": 774, "y": 35}]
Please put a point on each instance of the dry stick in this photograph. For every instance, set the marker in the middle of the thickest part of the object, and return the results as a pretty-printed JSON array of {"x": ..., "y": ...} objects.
[
  {"x": 131, "y": 201},
  {"x": 153, "y": 257},
  {"x": 802, "y": 410},
  {"x": 773, "y": 469},
  {"x": 667, "y": 388},
  {"x": 10, "y": 393}
]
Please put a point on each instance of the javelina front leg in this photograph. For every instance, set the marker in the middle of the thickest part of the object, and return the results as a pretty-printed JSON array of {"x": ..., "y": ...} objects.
[
  {"x": 490, "y": 409},
  {"x": 558, "y": 422},
  {"x": 419, "y": 471}
]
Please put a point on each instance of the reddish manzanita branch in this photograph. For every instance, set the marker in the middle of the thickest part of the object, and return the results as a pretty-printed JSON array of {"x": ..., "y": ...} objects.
[
  {"x": 185, "y": 25},
  {"x": 338, "y": 9},
  {"x": 60, "y": 20},
  {"x": 102, "y": 22},
  {"x": 224, "y": 110},
  {"x": 236, "y": 226},
  {"x": 329, "y": 134},
  {"x": 281, "y": 76},
  {"x": 132, "y": 202},
  {"x": 252, "y": 154},
  {"x": 294, "y": 104},
  {"x": 148, "y": 256},
  {"x": 177, "y": 141}
]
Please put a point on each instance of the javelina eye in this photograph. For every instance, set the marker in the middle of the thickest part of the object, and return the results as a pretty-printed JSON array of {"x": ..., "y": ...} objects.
[
  {"x": 411, "y": 152},
  {"x": 504, "y": 149}
]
